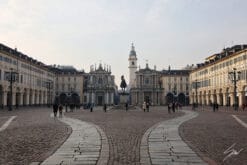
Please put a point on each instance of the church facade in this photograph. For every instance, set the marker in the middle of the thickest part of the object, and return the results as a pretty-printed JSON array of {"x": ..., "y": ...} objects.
[
  {"x": 147, "y": 87},
  {"x": 99, "y": 86},
  {"x": 157, "y": 87}
]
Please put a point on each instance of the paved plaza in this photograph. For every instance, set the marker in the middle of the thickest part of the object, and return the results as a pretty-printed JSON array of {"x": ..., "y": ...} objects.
[{"x": 34, "y": 136}]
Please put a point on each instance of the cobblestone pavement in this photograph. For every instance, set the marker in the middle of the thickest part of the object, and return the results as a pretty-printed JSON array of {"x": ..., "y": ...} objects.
[
  {"x": 3, "y": 119},
  {"x": 162, "y": 145},
  {"x": 31, "y": 137},
  {"x": 212, "y": 133},
  {"x": 124, "y": 130},
  {"x": 84, "y": 146},
  {"x": 243, "y": 118}
]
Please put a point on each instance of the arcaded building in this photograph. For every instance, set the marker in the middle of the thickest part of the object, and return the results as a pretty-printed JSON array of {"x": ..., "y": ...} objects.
[
  {"x": 213, "y": 81},
  {"x": 23, "y": 80}
]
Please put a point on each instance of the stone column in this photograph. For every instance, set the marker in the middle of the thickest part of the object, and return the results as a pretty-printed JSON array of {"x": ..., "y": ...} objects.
[
  {"x": 218, "y": 98},
  {"x": 21, "y": 99},
  {"x": 5, "y": 95},
  {"x": 112, "y": 100},
  {"x": 224, "y": 99},
  {"x": 41, "y": 98},
  {"x": 14, "y": 98},
  {"x": 28, "y": 98},
  {"x": 88, "y": 98},
  {"x": 231, "y": 99},
  {"x": 207, "y": 99},
  {"x": 240, "y": 98},
  {"x": 107, "y": 98},
  {"x": 37, "y": 99}
]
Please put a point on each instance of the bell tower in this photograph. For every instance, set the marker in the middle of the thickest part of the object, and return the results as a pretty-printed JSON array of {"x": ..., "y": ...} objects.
[{"x": 132, "y": 66}]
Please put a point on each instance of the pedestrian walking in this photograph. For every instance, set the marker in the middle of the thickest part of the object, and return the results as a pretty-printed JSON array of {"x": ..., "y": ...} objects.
[
  {"x": 169, "y": 108},
  {"x": 144, "y": 106},
  {"x": 126, "y": 106},
  {"x": 55, "y": 109},
  {"x": 60, "y": 110},
  {"x": 147, "y": 106},
  {"x": 243, "y": 107},
  {"x": 104, "y": 107},
  {"x": 214, "y": 107},
  {"x": 91, "y": 107},
  {"x": 173, "y": 107}
]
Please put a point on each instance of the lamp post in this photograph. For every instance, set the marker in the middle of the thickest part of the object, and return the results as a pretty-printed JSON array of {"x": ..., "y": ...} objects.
[
  {"x": 234, "y": 77},
  {"x": 174, "y": 93},
  {"x": 11, "y": 78}
]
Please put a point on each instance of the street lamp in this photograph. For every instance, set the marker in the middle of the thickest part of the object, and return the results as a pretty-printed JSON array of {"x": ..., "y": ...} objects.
[
  {"x": 12, "y": 77},
  {"x": 234, "y": 76},
  {"x": 174, "y": 93}
]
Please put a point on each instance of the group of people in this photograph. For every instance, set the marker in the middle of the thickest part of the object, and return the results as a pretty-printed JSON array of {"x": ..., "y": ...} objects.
[
  {"x": 215, "y": 107},
  {"x": 92, "y": 106},
  {"x": 56, "y": 108},
  {"x": 145, "y": 106},
  {"x": 173, "y": 106}
]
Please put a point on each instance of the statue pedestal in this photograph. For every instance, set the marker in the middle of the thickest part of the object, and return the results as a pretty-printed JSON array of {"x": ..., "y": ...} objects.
[{"x": 123, "y": 98}]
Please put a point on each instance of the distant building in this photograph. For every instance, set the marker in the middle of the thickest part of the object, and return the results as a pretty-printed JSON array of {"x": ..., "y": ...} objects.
[
  {"x": 176, "y": 86},
  {"x": 213, "y": 80},
  {"x": 99, "y": 86},
  {"x": 68, "y": 84},
  {"x": 147, "y": 87}
]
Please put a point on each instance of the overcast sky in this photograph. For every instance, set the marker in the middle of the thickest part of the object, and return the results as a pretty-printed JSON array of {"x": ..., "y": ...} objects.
[{"x": 85, "y": 32}]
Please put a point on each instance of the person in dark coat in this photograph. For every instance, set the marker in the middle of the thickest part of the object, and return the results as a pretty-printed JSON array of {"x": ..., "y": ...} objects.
[
  {"x": 105, "y": 107},
  {"x": 173, "y": 107},
  {"x": 126, "y": 106},
  {"x": 55, "y": 109},
  {"x": 147, "y": 106},
  {"x": 91, "y": 107}
]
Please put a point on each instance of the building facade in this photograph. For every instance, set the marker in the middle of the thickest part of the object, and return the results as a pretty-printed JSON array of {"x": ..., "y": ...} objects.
[
  {"x": 99, "y": 86},
  {"x": 147, "y": 87},
  {"x": 69, "y": 85},
  {"x": 212, "y": 81},
  {"x": 24, "y": 81},
  {"x": 176, "y": 86}
]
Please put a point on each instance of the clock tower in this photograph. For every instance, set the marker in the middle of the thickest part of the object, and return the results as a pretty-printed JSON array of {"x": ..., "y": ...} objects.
[{"x": 132, "y": 66}]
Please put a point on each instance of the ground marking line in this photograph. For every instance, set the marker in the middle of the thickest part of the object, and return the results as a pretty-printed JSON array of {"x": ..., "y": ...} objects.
[
  {"x": 6, "y": 124},
  {"x": 240, "y": 121}
]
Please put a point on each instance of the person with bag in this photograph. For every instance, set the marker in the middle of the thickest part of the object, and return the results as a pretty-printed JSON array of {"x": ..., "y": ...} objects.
[
  {"x": 60, "y": 110},
  {"x": 144, "y": 106}
]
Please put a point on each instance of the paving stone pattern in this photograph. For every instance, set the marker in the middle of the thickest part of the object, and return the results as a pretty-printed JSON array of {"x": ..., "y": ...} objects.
[
  {"x": 161, "y": 144},
  {"x": 124, "y": 130},
  {"x": 87, "y": 145}
]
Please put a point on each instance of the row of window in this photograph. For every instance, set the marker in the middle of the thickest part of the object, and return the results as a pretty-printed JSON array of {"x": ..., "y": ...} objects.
[
  {"x": 69, "y": 78},
  {"x": 225, "y": 64},
  {"x": 8, "y": 60},
  {"x": 29, "y": 67},
  {"x": 70, "y": 87}
]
